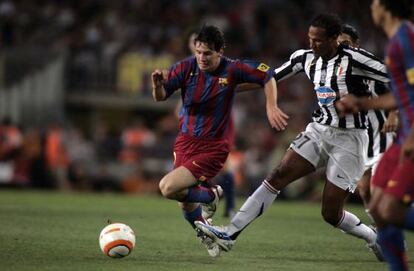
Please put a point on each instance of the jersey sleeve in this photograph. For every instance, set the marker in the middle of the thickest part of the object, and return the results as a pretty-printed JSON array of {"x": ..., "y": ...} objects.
[
  {"x": 367, "y": 66},
  {"x": 176, "y": 76},
  {"x": 291, "y": 67},
  {"x": 247, "y": 71}
]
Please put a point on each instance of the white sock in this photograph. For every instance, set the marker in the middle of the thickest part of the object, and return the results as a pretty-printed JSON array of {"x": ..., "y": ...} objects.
[
  {"x": 352, "y": 225},
  {"x": 254, "y": 206}
]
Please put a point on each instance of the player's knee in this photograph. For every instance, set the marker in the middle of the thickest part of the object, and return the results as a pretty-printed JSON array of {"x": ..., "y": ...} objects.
[{"x": 166, "y": 189}]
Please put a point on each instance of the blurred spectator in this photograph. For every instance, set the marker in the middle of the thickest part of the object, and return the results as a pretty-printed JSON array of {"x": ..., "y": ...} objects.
[{"x": 11, "y": 142}]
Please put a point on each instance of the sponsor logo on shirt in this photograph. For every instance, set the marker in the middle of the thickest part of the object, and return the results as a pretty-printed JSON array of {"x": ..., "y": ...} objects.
[
  {"x": 263, "y": 67},
  {"x": 325, "y": 95},
  {"x": 223, "y": 81},
  {"x": 410, "y": 76}
]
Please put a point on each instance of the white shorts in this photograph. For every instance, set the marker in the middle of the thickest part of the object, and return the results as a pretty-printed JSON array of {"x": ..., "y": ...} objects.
[
  {"x": 341, "y": 151},
  {"x": 372, "y": 163}
]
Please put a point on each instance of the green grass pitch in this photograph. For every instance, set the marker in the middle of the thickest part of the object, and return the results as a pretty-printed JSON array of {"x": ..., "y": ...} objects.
[{"x": 59, "y": 231}]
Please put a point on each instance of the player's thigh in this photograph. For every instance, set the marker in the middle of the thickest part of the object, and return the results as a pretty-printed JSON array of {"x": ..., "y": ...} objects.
[
  {"x": 177, "y": 180},
  {"x": 391, "y": 210}
]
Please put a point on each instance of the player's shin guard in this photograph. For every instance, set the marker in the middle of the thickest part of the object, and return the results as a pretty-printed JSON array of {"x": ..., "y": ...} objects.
[
  {"x": 391, "y": 240},
  {"x": 254, "y": 206}
]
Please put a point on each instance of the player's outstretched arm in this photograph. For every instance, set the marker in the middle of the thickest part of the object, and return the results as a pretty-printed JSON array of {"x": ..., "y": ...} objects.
[
  {"x": 277, "y": 118},
  {"x": 350, "y": 104},
  {"x": 159, "y": 78}
]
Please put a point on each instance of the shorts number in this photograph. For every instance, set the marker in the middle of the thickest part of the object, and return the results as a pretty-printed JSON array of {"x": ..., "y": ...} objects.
[{"x": 300, "y": 140}]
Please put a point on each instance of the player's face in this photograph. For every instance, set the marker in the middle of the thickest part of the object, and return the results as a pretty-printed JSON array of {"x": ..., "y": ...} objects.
[
  {"x": 347, "y": 40},
  {"x": 320, "y": 44},
  {"x": 377, "y": 12},
  {"x": 207, "y": 59}
]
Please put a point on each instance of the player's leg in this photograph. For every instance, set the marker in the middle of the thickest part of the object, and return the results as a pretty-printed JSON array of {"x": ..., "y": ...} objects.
[
  {"x": 391, "y": 237},
  {"x": 396, "y": 212},
  {"x": 226, "y": 181},
  {"x": 364, "y": 191},
  {"x": 175, "y": 185},
  {"x": 292, "y": 167},
  {"x": 299, "y": 160},
  {"x": 333, "y": 212}
]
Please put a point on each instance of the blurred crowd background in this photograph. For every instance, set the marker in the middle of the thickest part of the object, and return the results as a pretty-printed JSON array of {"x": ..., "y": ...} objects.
[{"x": 75, "y": 99}]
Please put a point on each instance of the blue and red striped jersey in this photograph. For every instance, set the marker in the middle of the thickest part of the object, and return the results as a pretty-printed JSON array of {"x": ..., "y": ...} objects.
[
  {"x": 208, "y": 96},
  {"x": 400, "y": 64}
]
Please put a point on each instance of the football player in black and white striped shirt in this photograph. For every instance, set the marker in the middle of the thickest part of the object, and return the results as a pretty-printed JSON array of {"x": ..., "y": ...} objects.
[
  {"x": 380, "y": 124},
  {"x": 339, "y": 144}
]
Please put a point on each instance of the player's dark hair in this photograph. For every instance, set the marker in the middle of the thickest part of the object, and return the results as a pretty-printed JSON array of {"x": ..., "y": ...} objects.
[
  {"x": 351, "y": 31},
  {"x": 211, "y": 35},
  {"x": 330, "y": 22},
  {"x": 399, "y": 8}
]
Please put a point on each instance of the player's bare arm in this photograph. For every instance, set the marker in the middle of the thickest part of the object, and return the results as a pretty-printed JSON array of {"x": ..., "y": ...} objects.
[
  {"x": 247, "y": 86},
  {"x": 351, "y": 104},
  {"x": 159, "y": 77},
  {"x": 277, "y": 118},
  {"x": 392, "y": 122}
]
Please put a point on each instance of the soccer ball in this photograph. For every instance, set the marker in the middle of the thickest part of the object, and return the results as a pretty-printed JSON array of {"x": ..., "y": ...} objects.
[{"x": 117, "y": 240}]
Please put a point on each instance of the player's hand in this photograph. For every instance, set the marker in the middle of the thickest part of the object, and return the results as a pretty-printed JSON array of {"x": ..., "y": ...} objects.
[
  {"x": 347, "y": 105},
  {"x": 277, "y": 118},
  {"x": 407, "y": 149},
  {"x": 391, "y": 124},
  {"x": 159, "y": 77}
]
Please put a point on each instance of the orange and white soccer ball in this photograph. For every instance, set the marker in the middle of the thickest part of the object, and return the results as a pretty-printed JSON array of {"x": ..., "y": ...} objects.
[{"x": 117, "y": 240}]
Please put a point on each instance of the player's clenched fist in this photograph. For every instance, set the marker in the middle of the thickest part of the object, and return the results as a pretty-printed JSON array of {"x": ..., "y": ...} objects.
[{"x": 159, "y": 77}]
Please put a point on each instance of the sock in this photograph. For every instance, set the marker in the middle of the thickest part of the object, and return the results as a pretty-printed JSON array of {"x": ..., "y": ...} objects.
[
  {"x": 352, "y": 225},
  {"x": 409, "y": 219},
  {"x": 227, "y": 183},
  {"x": 194, "y": 215},
  {"x": 199, "y": 194},
  {"x": 254, "y": 206},
  {"x": 391, "y": 240}
]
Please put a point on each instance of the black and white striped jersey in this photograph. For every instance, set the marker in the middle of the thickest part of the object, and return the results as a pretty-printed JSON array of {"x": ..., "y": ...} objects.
[
  {"x": 378, "y": 142},
  {"x": 345, "y": 73}
]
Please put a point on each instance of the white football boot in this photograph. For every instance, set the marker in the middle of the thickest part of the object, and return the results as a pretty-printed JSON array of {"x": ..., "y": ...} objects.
[{"x": 209, "y": 209}]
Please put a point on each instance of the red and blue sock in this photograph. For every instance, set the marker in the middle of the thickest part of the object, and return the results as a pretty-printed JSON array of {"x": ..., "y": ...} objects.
[
  {"x": 193, "y": 216},
  {"x": 199, "y": 194},
  {"x": 391, "y": 240}
]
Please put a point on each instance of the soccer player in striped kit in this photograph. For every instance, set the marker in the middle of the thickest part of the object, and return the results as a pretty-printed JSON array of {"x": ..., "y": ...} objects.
[
  {"x": 207, "y": 82},
  {"x": 337, "y": 143},
  {"x": 381, "y": 125},
  {"x": 393, "y": 182}
]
